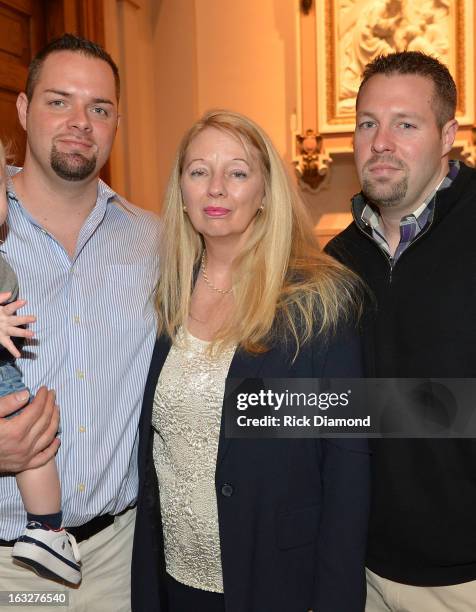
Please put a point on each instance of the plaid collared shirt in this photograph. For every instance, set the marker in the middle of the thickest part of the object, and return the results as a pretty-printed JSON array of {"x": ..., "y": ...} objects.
[{"x": 410, "y": 225}]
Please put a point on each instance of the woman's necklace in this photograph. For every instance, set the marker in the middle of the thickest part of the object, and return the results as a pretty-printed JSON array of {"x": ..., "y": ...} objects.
[{"x": 207, "y": 280}]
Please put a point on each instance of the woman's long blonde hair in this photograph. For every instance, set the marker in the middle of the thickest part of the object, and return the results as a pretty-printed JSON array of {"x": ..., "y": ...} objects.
[{"x": 284, "y": 287}]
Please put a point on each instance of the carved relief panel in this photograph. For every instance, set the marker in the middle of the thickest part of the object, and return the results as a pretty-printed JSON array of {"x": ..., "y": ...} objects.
[
  {"x": 350, "y": 33},
  {"x": 345, "y": 35}
]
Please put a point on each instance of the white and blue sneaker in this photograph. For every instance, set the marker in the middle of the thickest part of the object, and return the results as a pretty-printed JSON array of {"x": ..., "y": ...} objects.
[{"x": 50, "y": 553}]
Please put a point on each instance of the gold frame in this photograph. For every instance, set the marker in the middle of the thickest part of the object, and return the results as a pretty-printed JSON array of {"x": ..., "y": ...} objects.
[{"x": 462, "y": 59}]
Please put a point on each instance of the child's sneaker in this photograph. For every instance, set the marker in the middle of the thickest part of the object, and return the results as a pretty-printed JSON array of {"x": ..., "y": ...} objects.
[{"x": 50, "y": 553}]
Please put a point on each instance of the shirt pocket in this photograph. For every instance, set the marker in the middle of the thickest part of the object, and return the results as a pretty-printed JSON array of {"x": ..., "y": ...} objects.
[{"x": 127, "y": 291}]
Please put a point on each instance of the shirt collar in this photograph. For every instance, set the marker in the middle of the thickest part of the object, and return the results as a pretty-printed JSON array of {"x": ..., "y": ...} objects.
[{"x": 105, "y": 194}]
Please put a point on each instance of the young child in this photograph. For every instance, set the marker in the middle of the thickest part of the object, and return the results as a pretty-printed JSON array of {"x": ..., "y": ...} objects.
[{"x": 44, "y": 547}]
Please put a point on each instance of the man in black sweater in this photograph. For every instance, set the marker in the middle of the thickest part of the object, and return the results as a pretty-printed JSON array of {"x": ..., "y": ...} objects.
[{"x": 413, "y": 242}]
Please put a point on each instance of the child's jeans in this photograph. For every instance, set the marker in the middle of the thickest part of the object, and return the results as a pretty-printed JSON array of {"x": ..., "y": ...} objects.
[{"x": 10, "y": 381}]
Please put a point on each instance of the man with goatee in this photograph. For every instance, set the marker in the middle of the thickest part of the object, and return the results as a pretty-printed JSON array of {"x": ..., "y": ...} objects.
[
  {"x": 86, "y": 263},
  {"x": 413, "y": 242}
]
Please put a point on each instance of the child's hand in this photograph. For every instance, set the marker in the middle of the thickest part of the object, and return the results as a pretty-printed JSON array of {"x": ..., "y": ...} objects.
[{"x": 9, "y": 323}]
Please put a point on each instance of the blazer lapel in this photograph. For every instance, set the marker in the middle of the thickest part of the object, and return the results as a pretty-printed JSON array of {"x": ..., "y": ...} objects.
[
  {"x": 161, "y": 350},
  {"x": 243, "y": 365}
]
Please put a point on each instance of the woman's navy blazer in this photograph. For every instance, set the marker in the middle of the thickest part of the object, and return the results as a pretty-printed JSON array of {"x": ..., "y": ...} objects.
[{"x": 293, "y": 516}]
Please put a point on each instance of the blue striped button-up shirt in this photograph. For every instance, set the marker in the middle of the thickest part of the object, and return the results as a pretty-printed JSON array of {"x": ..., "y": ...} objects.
[{"x": 93, "y": 341}]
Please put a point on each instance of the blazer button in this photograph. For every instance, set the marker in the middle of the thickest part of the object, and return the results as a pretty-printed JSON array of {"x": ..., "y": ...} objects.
[{"x": 227, "y": 490}]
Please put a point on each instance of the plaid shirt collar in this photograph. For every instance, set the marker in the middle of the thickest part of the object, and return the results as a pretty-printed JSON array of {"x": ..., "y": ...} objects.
[{"x": 368, "y": 218}]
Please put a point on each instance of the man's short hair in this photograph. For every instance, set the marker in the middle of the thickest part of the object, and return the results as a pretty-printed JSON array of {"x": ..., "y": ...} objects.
[
  {"x": 76, "y": 44},
  {"x": 415, "y": 62}
]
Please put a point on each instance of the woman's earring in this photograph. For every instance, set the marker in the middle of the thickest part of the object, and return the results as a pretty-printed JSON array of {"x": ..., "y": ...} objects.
[
  {"x": 261, "y": 208},
  {"x": 184, "y": 208}
]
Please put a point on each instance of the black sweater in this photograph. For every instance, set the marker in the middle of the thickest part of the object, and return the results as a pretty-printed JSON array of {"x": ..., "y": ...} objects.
[{"x": 423, "y": 324}]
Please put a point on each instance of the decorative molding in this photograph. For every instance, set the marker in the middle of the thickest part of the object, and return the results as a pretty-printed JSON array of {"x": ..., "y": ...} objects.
[
  {"x": 347, "y": 33},
  {"x": 350, "y": 33}
]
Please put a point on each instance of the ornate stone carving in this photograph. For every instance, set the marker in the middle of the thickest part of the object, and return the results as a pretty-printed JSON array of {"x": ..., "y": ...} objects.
[
  {"x": 312, "y": 162},
  {"x": 368, "y": 28},
  {"x": 350, "y": 33}
]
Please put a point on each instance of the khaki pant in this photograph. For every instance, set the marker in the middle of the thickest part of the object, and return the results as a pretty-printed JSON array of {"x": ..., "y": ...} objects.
[
  {"x": 387, "y": 596},
  {"x": 106, "y": 569}
]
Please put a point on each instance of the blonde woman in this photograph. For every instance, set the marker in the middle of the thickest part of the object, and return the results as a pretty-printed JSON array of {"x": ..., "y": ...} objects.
[{"x": 244, "y": 525}]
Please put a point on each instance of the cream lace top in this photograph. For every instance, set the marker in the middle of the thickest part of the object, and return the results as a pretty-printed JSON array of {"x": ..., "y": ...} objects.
[{"x": 186, "y": 419}]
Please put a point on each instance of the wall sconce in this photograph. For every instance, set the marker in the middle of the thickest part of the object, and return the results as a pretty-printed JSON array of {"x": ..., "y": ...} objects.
[
  {"x": 312, "y": 162},
  {"x": 306, "y": 6}
]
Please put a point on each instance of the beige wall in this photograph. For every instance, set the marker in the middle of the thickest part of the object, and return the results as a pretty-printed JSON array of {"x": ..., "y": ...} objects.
[
  {"x": 228, "y": 54},
  {"x": 179, "y": 58},
  {"x": 176, "y": 79},
  {"x": 245, "y": 59},
  {"x": 129, "y": 34}
]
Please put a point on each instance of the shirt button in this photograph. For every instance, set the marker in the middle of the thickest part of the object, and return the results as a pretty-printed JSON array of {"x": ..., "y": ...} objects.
[
  {"x": 79, "y": 374},
  {"x": 227, "y": 490},
  {"x": 76, "y": 319},
  {"x": 82, "y": 428},
  {"x": 81, "y": 487}
]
